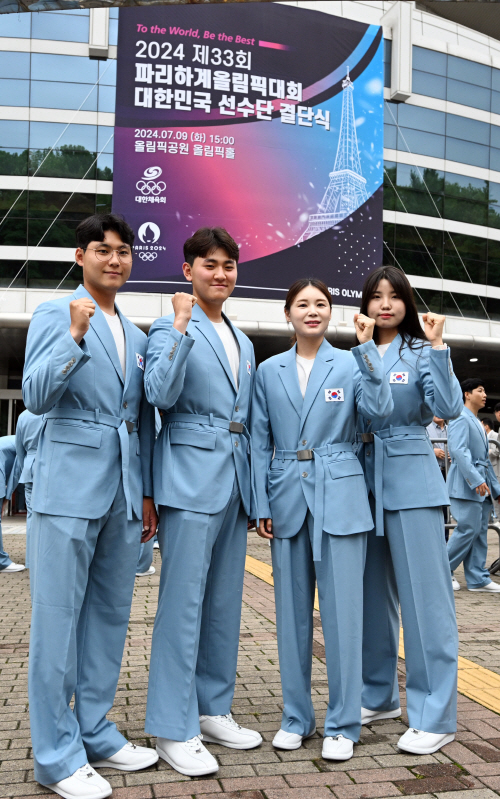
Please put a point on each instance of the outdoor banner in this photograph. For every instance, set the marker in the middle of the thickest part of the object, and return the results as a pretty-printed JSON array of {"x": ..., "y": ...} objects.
[{"x": 261, "y": 118}]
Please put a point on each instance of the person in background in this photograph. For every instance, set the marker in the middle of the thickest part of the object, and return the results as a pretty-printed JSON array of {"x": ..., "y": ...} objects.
[
  {"x": 472, "y": 484},
  {"x": 494, "y": 455},
  {"x": 9, "y": 473},
  {"x": 496, "y": 411},
  {"x": 145, "y": 566},
  {"x": 439, "y": 429},
  {"x": 27, "y": 434}
]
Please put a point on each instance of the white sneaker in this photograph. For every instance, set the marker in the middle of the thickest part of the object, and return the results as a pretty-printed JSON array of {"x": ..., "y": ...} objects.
[
  {"x": 424, "y": 743},
  {"x": 187, "y": 757},
  {"x": 156, "y": 545},
  {"x": 129, "y": 758},
  {"x": 367, "y": 716},
  {"x": 14, "y": 567},
  {"x": 85, "y": 783},
  {"x": 337, "y": 748},
  {"x": 489, "y": 588},
  {"x": 455, "y": 584},
  {"x": 225, "y": 731},
  {"x": 290, "y": 740},
  {"x": 150, "y": 571}
]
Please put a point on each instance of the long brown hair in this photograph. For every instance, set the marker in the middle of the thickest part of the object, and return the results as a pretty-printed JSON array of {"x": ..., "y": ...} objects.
[
  {"x": 297, "y": 287},
  {"x": 410, "y": 328}
]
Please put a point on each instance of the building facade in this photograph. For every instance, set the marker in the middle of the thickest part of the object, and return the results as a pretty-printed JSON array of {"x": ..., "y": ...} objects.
[{"x": 441, "y": 193}]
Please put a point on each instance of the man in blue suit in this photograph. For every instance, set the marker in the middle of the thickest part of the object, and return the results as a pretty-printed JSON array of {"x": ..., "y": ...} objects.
[
  {"x": 92, "y": 495},
  {"x": 199, "y": 373},
  {"x": 472, "y": 484},
  {"x": 9, "y": 474},
  {"x": 28, "y": 429}
]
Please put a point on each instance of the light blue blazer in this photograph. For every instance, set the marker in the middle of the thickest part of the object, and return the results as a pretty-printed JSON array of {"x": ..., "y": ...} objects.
[
  {"x": 98, "y": 426},
  {"x": 470, "y": 464},
  {"x": 9, "y": 468},
  {"x": 189, "y": 379},
  {"x": 27, "y": 434},
  {"x": 400, "y": 465},
  {"x": 331, "y": 485}
]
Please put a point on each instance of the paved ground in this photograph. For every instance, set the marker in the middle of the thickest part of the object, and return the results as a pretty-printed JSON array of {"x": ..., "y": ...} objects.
[{"x": 466, "y": 769}]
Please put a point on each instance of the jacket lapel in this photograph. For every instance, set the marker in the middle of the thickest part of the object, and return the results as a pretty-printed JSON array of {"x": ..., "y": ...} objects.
[
  {"x": 477, "y": 424},
  {"x": 392, "y": 356},
  {"x": 323, "y": 365},
  {"x": 244, "y": 355},
  {"x": 102, "y": 330},
  {"x": 205, "y": 326},
  {"x": 290, "y": 379},
  {"x": 130, "y": 360}
]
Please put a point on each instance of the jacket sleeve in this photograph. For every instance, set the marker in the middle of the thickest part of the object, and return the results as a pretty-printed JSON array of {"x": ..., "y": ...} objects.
[
  {"x": 20, "y": 448},
  {"x": 458, "y": 445},
  {"x": 52, "y": 357},
  {"x": 166, "y": 357},
  {"x": 493, "y": 481},
  {"x": 373, "y": 392},
  {"x": 13, "y": 481},
  {"x": 262, "y": 448},
  {"x": 147, "y": 435},
  {"x": 441, "y": 387}
]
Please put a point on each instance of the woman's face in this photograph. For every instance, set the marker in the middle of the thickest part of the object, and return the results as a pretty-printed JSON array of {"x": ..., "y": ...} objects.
[
  {"x": 385, "y": 306},
  {"x": 309, "y": 313}
]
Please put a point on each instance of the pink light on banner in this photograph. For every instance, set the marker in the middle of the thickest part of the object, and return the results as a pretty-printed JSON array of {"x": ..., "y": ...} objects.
[{"x": 274, "y": 45}]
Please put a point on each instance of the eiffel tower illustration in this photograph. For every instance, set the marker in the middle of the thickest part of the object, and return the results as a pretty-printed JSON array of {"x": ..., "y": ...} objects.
[{"x": 347, "y": 188}]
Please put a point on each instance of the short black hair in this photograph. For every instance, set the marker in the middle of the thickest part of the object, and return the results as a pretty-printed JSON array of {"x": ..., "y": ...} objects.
[
  {"x": 94, "y": 227},
  {"x": 497, "y": 407},
  {"x": 470, "y": 383},
  {"x": 488, "y": 420},
  {"x": 208, "y": 239}
]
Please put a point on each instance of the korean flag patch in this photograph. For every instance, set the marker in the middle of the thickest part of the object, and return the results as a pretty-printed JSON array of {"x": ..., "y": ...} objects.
[
  {"x": 334, "y": 395},
  {"x": 399, "y": 377},
  {"x": 140, "y": 361},
  {"x": 249, "y": 368}
]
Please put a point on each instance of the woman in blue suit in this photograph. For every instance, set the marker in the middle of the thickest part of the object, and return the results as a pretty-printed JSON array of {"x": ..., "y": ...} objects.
[
  {"x": 312, "y": 502},
  {"x": 406, "y": 553}
]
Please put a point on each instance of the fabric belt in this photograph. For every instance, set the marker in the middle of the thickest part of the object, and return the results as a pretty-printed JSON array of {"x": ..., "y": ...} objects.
[
  {"x": 377, "y": 438},
  {"x": 317, "y": 455},
  {"x": 123, "y": 426},
  {"x": 479, "y": 462},
  {"x": 210, "y": 419}
]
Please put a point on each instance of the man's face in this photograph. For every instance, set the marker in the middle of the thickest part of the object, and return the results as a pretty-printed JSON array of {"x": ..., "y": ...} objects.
[
  {"x": 497, "y": 416},
  {"x": 103, "y": 270},
  {"x": 438, "y": 421},
  {"x": 213, "y": 276},
  {"x": 477, "y": 397}
]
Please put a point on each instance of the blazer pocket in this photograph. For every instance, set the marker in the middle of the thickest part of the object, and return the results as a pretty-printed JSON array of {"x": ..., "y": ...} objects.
[
  {"x": 203, "y": 439},
  {"x": 410, "y": 446},
  {"x": 76, "y": 434},
  {"x": 345, "y": 468}
]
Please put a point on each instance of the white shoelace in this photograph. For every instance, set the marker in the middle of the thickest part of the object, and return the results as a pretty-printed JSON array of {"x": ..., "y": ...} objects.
[
  {"x": 194, "y": 744},
  {"x": 228, "y": 721}
]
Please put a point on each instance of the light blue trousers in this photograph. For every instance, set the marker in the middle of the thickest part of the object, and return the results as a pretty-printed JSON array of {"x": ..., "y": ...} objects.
[
  {"x": 4, "y": 558},
  {"x": 469, "y": 540},
  {"x": 145, "y": 556},
  {"x": 82, "y": 575},
  {"x": 28, "y": 487},
  {"x": 339, "y": 575},
  {"x": 411, "y": 562},
  {"x": 196, "y": 633}
]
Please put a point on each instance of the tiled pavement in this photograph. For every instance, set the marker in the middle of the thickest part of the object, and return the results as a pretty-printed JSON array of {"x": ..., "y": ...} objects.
[{"x": 469, "y": 768}]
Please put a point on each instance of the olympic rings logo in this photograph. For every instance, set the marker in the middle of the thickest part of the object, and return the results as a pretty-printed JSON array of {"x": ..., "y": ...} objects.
[
  {"x": 150, "y": 187},
  {"x": 148, "y": 256}
]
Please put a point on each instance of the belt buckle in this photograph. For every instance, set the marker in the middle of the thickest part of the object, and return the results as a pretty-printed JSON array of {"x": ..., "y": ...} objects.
[
  {"x": 236, "y": 427},
  {"x": 305, "y": 454},
  {"x": 130, "y": 426},
  {"x": 367, "y": 438}
]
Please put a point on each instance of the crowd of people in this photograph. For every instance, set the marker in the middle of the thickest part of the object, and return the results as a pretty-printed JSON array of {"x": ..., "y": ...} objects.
[{"x": 326, "y": 451}]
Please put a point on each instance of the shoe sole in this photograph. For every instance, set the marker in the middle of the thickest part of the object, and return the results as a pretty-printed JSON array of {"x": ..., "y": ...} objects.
[
  {"x": 338, "y": 757},
  {"x": 186, "y": 772},
  {"x": 384, "y": 714},
  {"x": 483, "y": 591},
  {"x": 104, "y": 793},
  {"x": 429, "y": 750},
  {"x": 297, "y": 746},
  {"x": 106, "y": 764},
  {"x": 228, "y": 744}
]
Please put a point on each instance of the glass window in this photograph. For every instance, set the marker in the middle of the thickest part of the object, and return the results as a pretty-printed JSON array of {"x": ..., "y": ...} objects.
[
  {"x": 468, "y": 94},
  {"x": 14, "y": 202},
  {"x": 107, "y": 72},
  {"x": 419, "y": 178},
  {"x": 469, "y": 305},
  {"x": 113, "y": 31},
  {"x": 52, "y": 204},
  {"x": 105, "y": 139},
  {"x": 14, "y": 65},
  {"x": 16, "y": 25},
  {"x": 49, "y": 94},
  {"x": 495, "y": 136},
  {"x": 494, "y": 216},
  {"x": 71, "y": 12},
  {"x": 13, "y": 233},
  {"x": 495, "y": 159},
  {"x": 466, "y": 211},
  {"x": 389, "y": 233},
  {"x": 49, "y": 274},
  {"x": 471, "y": 248},
  {"x": 494, "y": 193},
  {"x": 417, "y": 263},
  {"x": 495, "y": 79},
  {"x": 64, "y": 162},
  {"x": 390, "y": 113},
  {"x": 495, "y": 102},
  {"x": 74, "y": 69},
  {"x": 14, "y": 133},
  {"x": 411, "y": 116},
  {"x": 387, "y": 62},
  {"x": 469, "y": 188},
  {"x": 13, "y": 273},
  {"x": 103, "y": 203},
  {"x": 467, "y": 153},
  {"x": 416, "y": 141},
  {"x": 107, "y": 98},
  {"x": 105, "y": 167},
  {"x": 14, "y": 92},
  {"x": 428, "y": 300},
  {"x": 469, "y": 129},
  {"x": 13, "y": 161},
  {"x": 46, "y": 233},
  {"x": 408, "y": 238},
  {"x": 390, "y": 136},
  {"x": 429, "y": 85},
  {"x": 493, "y": 308},
  {"x": 47, "y": 25},
  {"x": 469, "y": 71},
  {"x": 429, "y": 61},
  {"x": 419, "y": 202},
  {"x": 46, "y": 134}
]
